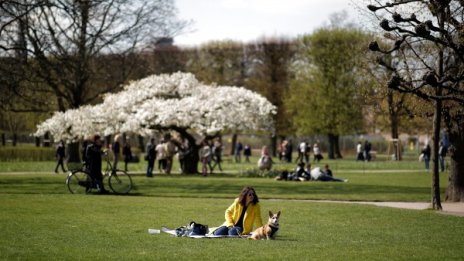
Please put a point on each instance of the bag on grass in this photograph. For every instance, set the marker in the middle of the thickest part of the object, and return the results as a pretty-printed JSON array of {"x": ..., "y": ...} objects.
[{"x": 192, "y": 229}]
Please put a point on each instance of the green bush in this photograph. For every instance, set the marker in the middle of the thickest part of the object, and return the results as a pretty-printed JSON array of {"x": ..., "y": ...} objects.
[
  {"x": 254, "y": 172},
  {"x": 27, "y": 153}
]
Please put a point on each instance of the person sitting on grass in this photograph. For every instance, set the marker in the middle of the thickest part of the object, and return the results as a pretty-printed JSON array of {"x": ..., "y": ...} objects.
[
  {"x": 265, "y": 162},
  {"x": 300, "y": 173},
  {"x": 326, "y": 175},
  {"x": 241, "y": 215}
]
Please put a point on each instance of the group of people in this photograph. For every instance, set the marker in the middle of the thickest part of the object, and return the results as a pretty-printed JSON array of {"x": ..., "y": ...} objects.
[
  {"x": 285, "y": 151},
  {"x": 163, "y": 152},
  {"x": 363, "y": 152},
  {"x": 115, "y": 146},
  {"x": 239, "y": 147},
  {"x": 211, "y": 156},
  {"x": 304, "y": 172},
  {"x": 426, "y": 154}
]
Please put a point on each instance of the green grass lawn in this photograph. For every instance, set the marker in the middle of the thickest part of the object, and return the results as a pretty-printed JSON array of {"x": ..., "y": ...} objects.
[{"x": 40, "y": 220}]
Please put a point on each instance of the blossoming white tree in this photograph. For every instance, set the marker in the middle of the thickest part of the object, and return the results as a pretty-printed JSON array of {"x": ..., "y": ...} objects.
[{"x": 166, "y": 102}]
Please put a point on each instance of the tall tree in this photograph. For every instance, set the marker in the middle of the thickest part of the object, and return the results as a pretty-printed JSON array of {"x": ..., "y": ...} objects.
[
  {"x": 391, "y": 111},
  {"x": 64, "y": 40},
  {"x": 431, "y": 34},
  {"x": 323, "y": 96},
  {"x": 268, "y": 64}
]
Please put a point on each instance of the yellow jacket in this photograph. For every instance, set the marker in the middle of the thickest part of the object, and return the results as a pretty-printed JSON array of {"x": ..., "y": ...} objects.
[{"x": 252, "y": 215}]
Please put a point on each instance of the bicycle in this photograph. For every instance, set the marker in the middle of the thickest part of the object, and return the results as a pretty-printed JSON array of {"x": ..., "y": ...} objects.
[{"x": 80, "y": 182}]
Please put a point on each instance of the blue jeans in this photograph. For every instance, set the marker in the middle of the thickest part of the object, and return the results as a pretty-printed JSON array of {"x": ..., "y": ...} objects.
[
  {"x": 151, "y": 164},
  {"x": 230, "y": 231},
  {"x": 427, "y": 162},
  {"x": 441, "y": 160}
]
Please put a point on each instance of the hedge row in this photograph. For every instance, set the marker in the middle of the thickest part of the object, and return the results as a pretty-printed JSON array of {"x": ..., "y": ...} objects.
[{"x": 27, "y": 153}]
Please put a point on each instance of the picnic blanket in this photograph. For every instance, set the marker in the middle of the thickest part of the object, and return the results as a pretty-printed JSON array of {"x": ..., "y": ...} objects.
[{"x": 175, "y": 233}]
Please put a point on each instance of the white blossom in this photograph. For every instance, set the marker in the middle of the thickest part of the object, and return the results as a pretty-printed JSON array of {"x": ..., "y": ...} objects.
[{"x": 165, "y": 100}]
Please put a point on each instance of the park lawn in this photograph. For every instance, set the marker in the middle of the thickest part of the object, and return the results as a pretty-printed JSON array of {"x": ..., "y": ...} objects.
[
  {"x": 93, "y": 227},
  {"x": 40, "y": 220},
  {"x": 230, "y": 167},
  {"x": 395, "y": 186}
]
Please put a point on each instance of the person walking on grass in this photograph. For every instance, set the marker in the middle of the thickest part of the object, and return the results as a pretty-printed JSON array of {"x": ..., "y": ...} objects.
[
  {"x": 93, "y": 154},
  {"x": 217, "y": 154},
  {"x": 60, "y": 155}
]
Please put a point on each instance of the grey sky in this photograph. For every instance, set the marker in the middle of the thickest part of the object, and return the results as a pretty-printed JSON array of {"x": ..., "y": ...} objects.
[{"x": 248, "y": 20}]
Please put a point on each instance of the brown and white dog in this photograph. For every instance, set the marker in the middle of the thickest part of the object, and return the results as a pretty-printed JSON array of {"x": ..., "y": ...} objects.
[{"x": 269, "y": 230}]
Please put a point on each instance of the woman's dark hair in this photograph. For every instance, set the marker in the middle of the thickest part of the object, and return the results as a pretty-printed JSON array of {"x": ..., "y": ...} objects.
[{"x": 242, "y": 198}]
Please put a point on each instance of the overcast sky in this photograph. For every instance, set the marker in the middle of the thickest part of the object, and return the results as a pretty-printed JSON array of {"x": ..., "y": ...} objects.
[{"x": 248, "y": 20}]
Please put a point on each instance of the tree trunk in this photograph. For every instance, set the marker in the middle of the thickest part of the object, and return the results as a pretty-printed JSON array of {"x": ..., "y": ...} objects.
[
  {"x": 394, "y": 122},
  {"x": 274, "y": 145},
  {"x": 15, "y": 139},
  {"x": 141, "y": 143},
  {"x": 232, "y": 145},
  {"x": 338, "y": 153},
  {"x": 331, "y": 149},
  {"x": 436, "y": 201},
  {"x": 455, "y": 190},
  {"x": 46, "y": 141},
  {"x": 3, "y": 139}
]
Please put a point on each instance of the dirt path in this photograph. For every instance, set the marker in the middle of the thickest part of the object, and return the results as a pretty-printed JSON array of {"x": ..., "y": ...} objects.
[{"x": 455, "y": 209}]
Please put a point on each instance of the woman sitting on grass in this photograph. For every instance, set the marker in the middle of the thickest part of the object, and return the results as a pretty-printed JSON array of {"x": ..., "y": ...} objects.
[{"x": 241, "y": 215}]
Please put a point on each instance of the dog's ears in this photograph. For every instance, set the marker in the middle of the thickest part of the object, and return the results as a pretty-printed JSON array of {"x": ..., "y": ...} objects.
[{"x": 271, "y": 214}]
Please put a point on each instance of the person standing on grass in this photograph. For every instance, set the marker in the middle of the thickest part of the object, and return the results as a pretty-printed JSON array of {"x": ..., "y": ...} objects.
[
  {"x": 426, "y": 152},
  {"x": 205, "y": 157},
  {"x": 441, "y": 156},
  {"x": 150, "y": 157},
  {"x": 247, "y": 152},
  {"x": 161, "y": 155},
  {"x": 360, "y": 152},
  {"x": 244, "y": 212},
  {"x": 317, "y": 153},
  {"x": 238, "y": 151},
  {"x": 116, "y": 149},
  {"x": 60, "y": 155},
  {"x": 93, "y": 154},
  {"x": 217, "y": 154},
  {"x": 127, "y": 154}
]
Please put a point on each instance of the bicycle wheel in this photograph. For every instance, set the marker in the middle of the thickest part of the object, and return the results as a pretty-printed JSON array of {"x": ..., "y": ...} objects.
[
  {"x": 79, "y": 182},
  {"x": 120, "y": 182}
]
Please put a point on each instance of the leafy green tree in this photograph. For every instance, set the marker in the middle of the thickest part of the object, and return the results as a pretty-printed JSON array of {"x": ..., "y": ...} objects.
[{"x": 323, "y": 97}]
